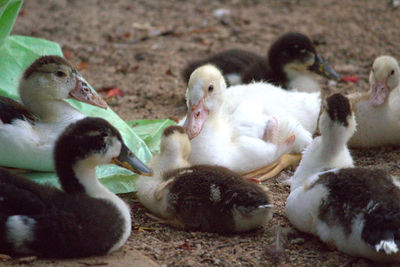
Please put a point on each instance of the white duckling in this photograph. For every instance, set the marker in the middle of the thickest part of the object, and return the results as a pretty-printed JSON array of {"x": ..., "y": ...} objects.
[
  {"x": 354, "y": 209},
  {"x": 378, "y": 111},
  {"x": 202, "y": 197},
  {"x": 28, "y": 132},
  {"x": 232, "y": 128},
  {"x": 84, "y": 219}
]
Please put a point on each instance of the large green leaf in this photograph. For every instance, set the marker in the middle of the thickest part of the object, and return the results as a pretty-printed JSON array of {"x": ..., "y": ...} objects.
[
  {"x": 17, "y": 53},
  {"x": 8, "y": 13}
]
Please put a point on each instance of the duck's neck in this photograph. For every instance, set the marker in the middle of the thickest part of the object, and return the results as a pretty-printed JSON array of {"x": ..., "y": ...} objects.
[
  {"x": 167, "y": 161},
  {"x": 84, "y": 173},
  {"x": 325, "y": 152},
  {"x": 302, "y": 81},
  {"x": 53, "y": 111}
]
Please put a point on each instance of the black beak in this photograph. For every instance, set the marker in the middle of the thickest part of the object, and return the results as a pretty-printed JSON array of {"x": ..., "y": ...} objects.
[
  {"x": 129, "y": 161},
  {"x": 321, "y": 68}
]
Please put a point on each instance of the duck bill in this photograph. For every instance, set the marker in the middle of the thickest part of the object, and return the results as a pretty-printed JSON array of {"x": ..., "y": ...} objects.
[
  {"x": 379, "y": 94},
  {"x": 83, "y": 93},
  {"x": 128, "y": 160},
  {"x": 197, "y": 115},
  {"x": 323, "y": 69}
]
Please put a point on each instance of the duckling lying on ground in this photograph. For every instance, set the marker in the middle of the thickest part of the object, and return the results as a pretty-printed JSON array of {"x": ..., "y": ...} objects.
[
  {"x": 202, "y": 197},
  {"x": 232, "y": 128},
  {"x": 291, "y": 61},
  {"x": 354, "y": 209},
  {"x": 84, "y": 220},
  {"x": 28, "y": 132},
  {"x": 378, "y": 111}
]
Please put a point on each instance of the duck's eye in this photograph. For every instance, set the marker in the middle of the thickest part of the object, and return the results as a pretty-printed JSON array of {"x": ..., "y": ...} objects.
[
  {"x": 61, "y": 74},
  {"x": 392, "y": 72},
  {"x": 211, "y": 88}
]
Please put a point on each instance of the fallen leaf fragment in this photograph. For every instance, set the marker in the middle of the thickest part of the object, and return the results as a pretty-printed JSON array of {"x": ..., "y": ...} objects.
[
  {"x": 350, "y": 78},
  {"x": 67, "y": 54},
  {"x": 185, "y": 246},
  {"x": 111, "y": 91},
  {"x": 83, "y": 65}
]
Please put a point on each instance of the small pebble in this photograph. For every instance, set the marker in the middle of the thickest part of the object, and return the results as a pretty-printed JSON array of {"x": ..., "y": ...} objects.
[{"x": 221, "y": 12}]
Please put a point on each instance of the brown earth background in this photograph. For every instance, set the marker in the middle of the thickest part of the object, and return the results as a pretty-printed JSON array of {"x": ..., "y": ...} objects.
[{"x": 140, "y": 47}]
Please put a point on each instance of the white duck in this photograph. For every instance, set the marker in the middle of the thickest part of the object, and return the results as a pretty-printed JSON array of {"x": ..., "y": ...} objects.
[
  {"x": 201, "y": 197},
  {"x": 248, "y": 126},
  {"x": 28, "y": 131},
  {"x": 378, "y": 111},
  {"x": 356, "y": 210}
]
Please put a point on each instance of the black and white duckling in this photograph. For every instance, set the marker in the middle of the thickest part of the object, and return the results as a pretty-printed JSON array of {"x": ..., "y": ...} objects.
[
  {"x": 291, "y": 62},
  {"x": 378, "y": 110},
  {"x": 248, "y": 126},
  {"x": 29, "y": 130},
  {"x": 203, "y": 197},
  {"x": 355, "y": 210},
  {"x": 86, "y": 219}
]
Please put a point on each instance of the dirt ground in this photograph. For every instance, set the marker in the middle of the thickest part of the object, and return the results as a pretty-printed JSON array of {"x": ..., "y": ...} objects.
[{"x": 141, "y": 46}]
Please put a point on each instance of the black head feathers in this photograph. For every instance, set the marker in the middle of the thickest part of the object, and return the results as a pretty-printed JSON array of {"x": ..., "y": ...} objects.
[
  {"x": 172, "y": 129},
  {"x": 78, "y": 141},
  {"x": 44, "y": 60},
  {"x": 338, "y": 108},
  {"x": 289, "y": 47}
]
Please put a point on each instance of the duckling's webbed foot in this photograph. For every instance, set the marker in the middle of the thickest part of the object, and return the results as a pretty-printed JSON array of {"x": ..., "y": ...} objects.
[{"x": 275, "y": 168}]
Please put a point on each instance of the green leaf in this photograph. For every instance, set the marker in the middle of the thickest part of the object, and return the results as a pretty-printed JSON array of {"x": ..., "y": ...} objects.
[
  {"x": 150, "y": 131},
  {"x": 8, "y": 13}
]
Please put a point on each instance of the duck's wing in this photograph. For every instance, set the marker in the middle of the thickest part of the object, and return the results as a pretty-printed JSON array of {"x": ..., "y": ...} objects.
[
  {"x": 11, "y": 110},
  {"x": 259, "y": 71},
  {"x": 19, "y": 196},
  {"x": 232, "y": 61}
]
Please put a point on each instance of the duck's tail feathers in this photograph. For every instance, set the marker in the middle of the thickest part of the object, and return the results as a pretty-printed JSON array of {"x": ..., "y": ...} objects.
[
  {"x": 388, "y": 246},
  {"x": 382, "y": 229}
]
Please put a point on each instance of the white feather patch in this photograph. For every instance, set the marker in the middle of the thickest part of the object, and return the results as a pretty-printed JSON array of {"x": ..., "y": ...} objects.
[
  {"x": 389, "y": 246},
  {"x": 19, "y": 231}
]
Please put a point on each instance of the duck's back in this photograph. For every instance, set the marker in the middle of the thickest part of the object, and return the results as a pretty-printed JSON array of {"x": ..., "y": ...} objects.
[
  {"x": 205, "y": 198},
  {"x": 304, "y": 107},
  {"x": 365, "y": 204},
  {"x": 43, "y": 220},
  {"x": 230, "y": 62}
]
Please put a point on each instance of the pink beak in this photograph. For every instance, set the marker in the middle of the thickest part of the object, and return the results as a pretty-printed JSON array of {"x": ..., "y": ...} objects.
[
  {"x": 82, "y": 93},
  {"x": 196, "y": 116},
  {"x": 379, "y": 94}
]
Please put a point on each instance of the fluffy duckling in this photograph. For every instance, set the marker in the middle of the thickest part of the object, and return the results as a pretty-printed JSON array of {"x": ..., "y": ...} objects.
[
  {"x": 355, "y": 210},
  {"x": 291, "y": 62},
  {"x": 235, "y": 128},
  {"x": 28, "y": 131},
  {"x": 377, "y": 111},
  {"x": 203, "y": 197},
  {"x": 83, "y": 220}
]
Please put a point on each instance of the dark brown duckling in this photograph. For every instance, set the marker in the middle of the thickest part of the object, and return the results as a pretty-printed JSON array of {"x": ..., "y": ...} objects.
[
  {"x": 84, "y": 219},
  {"x": 203, "y": 197},
  {"x": 290, "y": 63}
]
